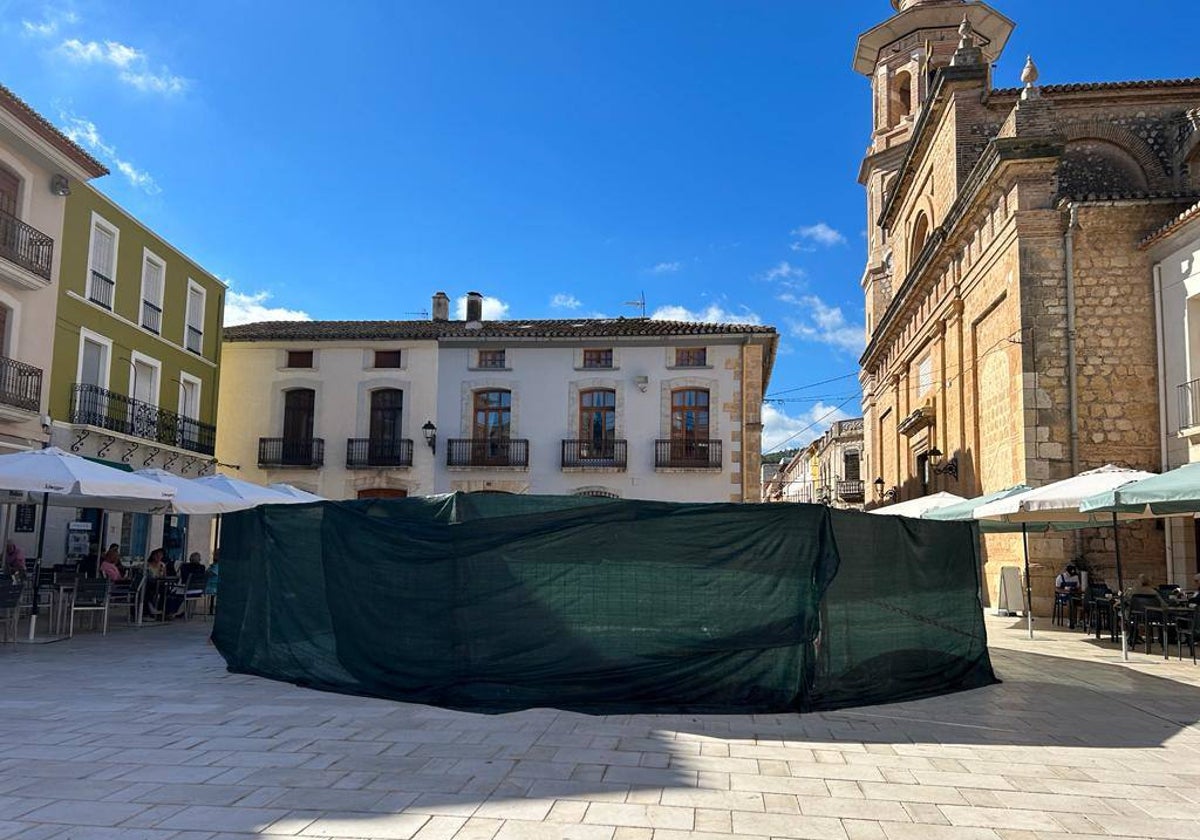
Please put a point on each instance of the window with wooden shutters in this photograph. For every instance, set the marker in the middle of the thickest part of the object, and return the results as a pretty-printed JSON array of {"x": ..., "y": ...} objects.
[
  {"x": 102, "y": 265},
  {"x": 153, "y": 272},
  {"x": 195, "y": 319}
]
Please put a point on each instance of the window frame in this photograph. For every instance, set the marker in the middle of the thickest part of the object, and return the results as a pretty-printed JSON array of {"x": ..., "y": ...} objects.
[
  {"x": 683, "y": 408},
  {"x": 134, "y": 358},
  {"x": 600, "y": 350},
  {"x": 505, "y": 409},
  {"x": 193, "y": 286},
  {"x": 186, "y": 378},
  {"x": 287, "y": 360},
  {"x": 606, "y": 411},
  {"x": 682, "y": 361},
  {"x": 493, "y": 352},
  {"x": 149, "y": 257},
  {"x": 99, "y": 221},
  {"x": 399, "y": 360},
  {"x": 105, "y": 342}
]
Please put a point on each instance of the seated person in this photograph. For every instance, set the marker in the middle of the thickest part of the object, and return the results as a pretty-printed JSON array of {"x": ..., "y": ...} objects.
[
  {"x": 1144, "y": 588},
  {"x": 110, "y": 564},
  {"x": 1066, "y": 585},
  {"x": 14, "y": 561},
  {"x": 192, "y": 568}
]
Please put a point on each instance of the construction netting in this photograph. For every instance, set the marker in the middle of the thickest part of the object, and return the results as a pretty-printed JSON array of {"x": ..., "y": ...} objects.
[{"x": 492, "y": 602}]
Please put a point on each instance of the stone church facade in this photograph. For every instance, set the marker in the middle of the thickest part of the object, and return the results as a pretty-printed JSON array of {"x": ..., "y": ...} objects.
[{"x": 1010, "y": 313}]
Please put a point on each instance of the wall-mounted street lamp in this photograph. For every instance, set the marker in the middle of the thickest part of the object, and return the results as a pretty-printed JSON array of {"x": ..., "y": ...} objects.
[
  {"x": 880, "y": 493},
  {"x": 430, "y": 432},
  {"x": 949, "y": 468}
]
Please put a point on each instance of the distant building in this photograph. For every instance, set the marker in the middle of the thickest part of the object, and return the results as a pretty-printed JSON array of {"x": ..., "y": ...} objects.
[
  {"x": 1009, "y": 313},
  {"x": 624, "y": 407},
  {"x": 827, "y": 471}
]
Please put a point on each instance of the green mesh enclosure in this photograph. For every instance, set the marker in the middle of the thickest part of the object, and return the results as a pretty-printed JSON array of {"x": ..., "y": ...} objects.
[{"x": 496, "y": 602}]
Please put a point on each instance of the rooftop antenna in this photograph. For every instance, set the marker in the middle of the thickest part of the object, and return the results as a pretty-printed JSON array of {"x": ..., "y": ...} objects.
[
  {"x": 422, "y": 312},
  {"x": 640, "y": 303}
]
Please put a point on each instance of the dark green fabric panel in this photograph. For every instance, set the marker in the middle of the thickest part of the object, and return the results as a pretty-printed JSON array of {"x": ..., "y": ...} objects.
[
  {"x": 904, "y": 618},
  {"x": 492, "y": 602}
]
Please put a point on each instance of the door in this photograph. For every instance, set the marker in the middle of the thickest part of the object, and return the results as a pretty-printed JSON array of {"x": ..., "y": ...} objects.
[
  {"x": 689, "y": 425},
  {"x": 143, "y": 411},
  {"x": 91, "y": 395},
  {"x": 9, "y": 185},
  {"x": 493, "y": 423},
  {"x": 385, "y": 433},
  {"x": 298, "y": 409},
  {"x": 597, "y": 423}
]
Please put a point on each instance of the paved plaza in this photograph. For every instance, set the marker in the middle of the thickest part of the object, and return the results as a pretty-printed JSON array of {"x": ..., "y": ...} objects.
[{"x": 143, "y": 735}]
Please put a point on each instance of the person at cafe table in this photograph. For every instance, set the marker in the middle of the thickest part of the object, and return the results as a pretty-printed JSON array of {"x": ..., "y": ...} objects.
[
  {"x": 1066, "y": 585},
  {"x": 110, "y": 563}
]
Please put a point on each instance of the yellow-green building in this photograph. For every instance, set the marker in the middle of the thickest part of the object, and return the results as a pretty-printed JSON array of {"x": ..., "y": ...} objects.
[{"x": 137, "y": 349}]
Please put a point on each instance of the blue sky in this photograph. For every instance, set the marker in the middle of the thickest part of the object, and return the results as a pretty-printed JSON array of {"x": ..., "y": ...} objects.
[{"x": 561, "y": 158}]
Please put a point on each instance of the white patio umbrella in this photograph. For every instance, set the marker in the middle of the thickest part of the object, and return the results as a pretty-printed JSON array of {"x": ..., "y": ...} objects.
[
  {"x": 1058, "y": 503},
  {"x": 296, "y": 493},
  {"x": 246, "y": 491},
  {"x": 193, "y": 497},
  {"x": 916, "y": 508}
]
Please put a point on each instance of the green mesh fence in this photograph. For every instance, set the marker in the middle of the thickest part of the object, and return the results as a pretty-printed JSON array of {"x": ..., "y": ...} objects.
[{"x": 493, "y": 602}]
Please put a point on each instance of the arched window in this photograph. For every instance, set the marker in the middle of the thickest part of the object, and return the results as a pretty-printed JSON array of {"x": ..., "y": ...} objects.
[
  {"x": 598, "y": 414},
  {"x": 920, "y": 234},
  {"x": 904, "y": 93}
]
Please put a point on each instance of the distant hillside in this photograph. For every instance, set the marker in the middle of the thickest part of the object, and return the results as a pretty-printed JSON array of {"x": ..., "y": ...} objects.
[{"x": 779, "y": 457}]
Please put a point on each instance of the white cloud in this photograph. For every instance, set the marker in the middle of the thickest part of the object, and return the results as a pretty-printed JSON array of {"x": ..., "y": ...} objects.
[
  {"x": 48, "y": 27},
  {"x": 243, "y": 308},
  {"x": 820, "y": 322},
  {"x": 494, "y": 309},
  {"x": 85, "y": 133},
  {"x": 820, "y": 233},
  {"x": 562, "y": 300},
  {"x": 784, "y": 271},
  {"x": 666, "y": 268},
  {"x": 712, "y": 314},
  {"x": 132, "y": 65},
  {"x": 779, "y": 426}
]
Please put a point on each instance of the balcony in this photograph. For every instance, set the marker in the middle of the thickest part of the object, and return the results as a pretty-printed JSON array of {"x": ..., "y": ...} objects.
[
  {"x": 850, "y": 491},
  {"x": 27, "y": 253},
  {"x": 152, "y": 317},
  {"x": 374, "y": 452},
  {"x": 20, "y": 390},
  {"x": 687, "y": 454},
  {"x": 1189, "y": 406},
  {"x": 308, "y": 453},
  {"x": 594, "y": 454},
  {"x": 99, "y": 407},
  {"x": 486, "y": 452},
  {"x": 195, "y": 340},
  {"x": 101, "y": 290}
]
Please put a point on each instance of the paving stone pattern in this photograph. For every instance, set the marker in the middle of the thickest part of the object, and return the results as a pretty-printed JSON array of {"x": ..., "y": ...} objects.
[{"x": 143, "y": 735}]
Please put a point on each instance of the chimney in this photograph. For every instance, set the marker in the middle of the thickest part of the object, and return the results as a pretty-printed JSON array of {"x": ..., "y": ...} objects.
[
  {"x": 474, "y": 306},
  {"x": 441, "y": 307}
]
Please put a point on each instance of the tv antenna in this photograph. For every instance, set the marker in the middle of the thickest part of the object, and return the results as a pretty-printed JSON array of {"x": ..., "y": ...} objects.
[
  {"x": 640, "y": 303},
  {"x": 423, "y": 313}
]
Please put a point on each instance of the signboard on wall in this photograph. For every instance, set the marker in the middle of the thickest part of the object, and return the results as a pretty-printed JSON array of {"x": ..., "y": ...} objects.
[{"x": 25, "y": 519}]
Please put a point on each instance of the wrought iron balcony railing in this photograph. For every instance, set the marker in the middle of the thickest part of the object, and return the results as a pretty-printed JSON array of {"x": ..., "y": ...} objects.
[
  {"x": 487, "y": 452},
  {"x": 1189, "y": 404},
  {"x": 92, "y": 405},
  {"x": 101, "y": 290},
  {"x": 152, "y": 317},
  {"x": 291, "y": 452},
  {"x": 195, "y": 340},
  {"x": 20, "y": 385},
  {"x": 377, "y": 452},
  {"x": 608, "y": 453},
  {"x": 26, "y": 246},
  {"x": 688, "y": 453},
  {"x": 850, "y": 490}
]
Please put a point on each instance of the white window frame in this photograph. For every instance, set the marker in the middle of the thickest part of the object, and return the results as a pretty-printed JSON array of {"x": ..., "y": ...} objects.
[
  {"x": 187, "y": 378},
  {"x": 193, "y": 285},
  {"x": 87, "y": 335},
  {"x": 149, "y": 361},
  {"x": 149, "y": 256},
  {"x": 98, "y": 220}
]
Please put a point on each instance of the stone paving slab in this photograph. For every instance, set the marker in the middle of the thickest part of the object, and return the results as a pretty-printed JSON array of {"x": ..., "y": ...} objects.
[{"x": 143, "y": 735}]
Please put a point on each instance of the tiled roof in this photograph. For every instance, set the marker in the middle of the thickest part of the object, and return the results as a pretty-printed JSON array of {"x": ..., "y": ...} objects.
[
  {"x": 562, "y": 328},
  {"x": 16, "y": 106},
  {"x": 1076, "y": 87},
  {"x": 1170, "y": 227}
]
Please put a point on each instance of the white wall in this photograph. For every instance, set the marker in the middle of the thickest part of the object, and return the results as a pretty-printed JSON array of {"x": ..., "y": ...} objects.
[{"x": 545, "y": 411}]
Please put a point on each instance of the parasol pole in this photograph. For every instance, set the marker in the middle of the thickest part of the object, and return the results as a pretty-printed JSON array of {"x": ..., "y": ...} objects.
[
  {"x": 1120, "y": 590},
  {"x": 1028, "y": 587},
  {"x": 33, "y": 610}
]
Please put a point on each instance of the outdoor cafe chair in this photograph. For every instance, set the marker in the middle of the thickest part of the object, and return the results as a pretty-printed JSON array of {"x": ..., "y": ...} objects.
[
  {"x": 128, "y": 593},
  {"x": 194, "y": 591},
  {"x": 91, "y": 595},
  {"x": 1148, "y": 618},
  {"x": 1185, "y": 628},
  {"x": 10, "y": 609}
]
